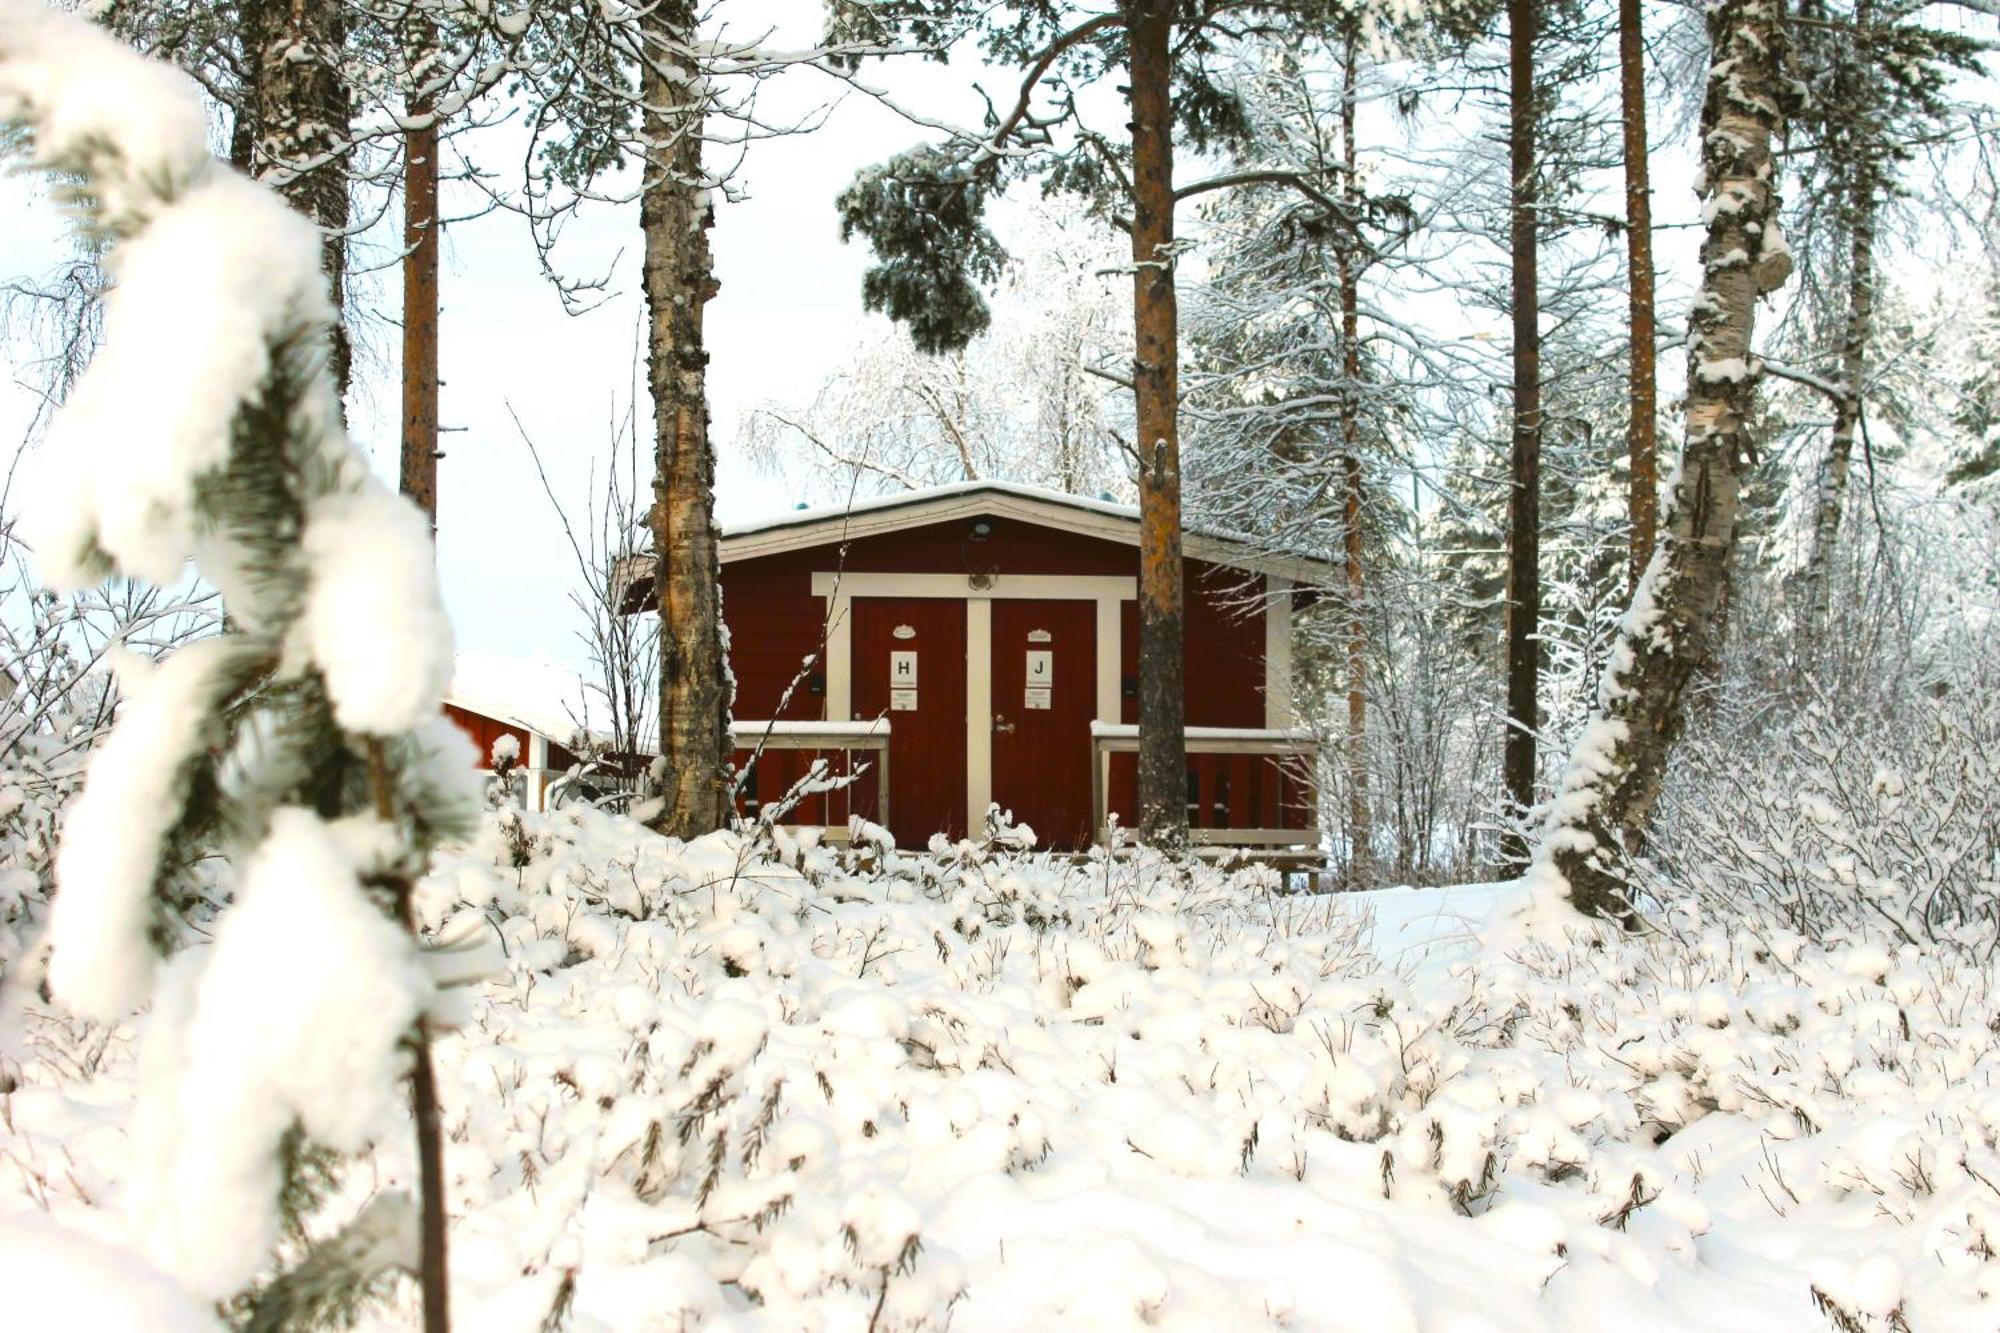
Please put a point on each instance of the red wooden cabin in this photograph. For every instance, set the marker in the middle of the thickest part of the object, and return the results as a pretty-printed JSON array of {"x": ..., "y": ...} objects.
[{"x": 991, "y": 631}]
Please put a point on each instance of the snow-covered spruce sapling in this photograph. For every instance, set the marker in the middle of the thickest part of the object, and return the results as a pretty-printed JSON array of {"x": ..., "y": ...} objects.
[{"x": 306, "y": 740}]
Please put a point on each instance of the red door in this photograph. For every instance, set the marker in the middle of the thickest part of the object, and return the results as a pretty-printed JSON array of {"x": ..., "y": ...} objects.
[
  {"x": 1044, "y": 696},
  {"x": 909, "y": 666}
]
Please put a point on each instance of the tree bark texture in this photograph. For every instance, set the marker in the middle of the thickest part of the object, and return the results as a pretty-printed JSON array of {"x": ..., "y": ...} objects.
[
  {"x": 1642, "y": 446},
  {"x": 1830, "y": 500},
  {"x": 1360, "y": 825},
  {"x": 419, "y": 482},
  {"x": 420, "y": 294},
  {"x": 1524, "y": 516},
  {"x": 1156, "y": 380},
  {"x": 299, "y": 114},
  {"x": 1669, "y": 635},
  {"x": 434, "y": 1269},
  {"x": 1855, "y": 90},
  {"x": 674, "y": 214}
]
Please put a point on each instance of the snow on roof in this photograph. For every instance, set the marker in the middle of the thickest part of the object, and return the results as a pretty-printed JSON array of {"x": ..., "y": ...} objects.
[
  {"x": 554, "y": 701},
  {"x": 903, "y": 499},
  {"x": 1033, "y": 503},
  {"x": 533, "y": 693}
]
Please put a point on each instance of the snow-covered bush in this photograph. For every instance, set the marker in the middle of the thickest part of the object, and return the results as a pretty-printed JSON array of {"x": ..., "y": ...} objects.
[
  {"x": 1842, "y": 824},
  {"x": 771, "y": 1085},
  {"x": 305, "y": 740},
  {"x": 1836, "y": 1100},
  {"x": 979, "y": 1088}
]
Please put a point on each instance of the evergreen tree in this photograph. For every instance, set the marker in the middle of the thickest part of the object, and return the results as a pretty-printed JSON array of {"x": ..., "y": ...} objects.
[
  {"x": 924, "y": 214},
  {"x": 305, "y": 741},
  {"x": 1292, "y": 425},
  {"x": 1879, "y": 78}
]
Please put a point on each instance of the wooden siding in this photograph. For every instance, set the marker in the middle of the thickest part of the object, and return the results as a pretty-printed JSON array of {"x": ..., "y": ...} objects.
[
  {"x": 775, "y": 772},
  {"x": 775, "y": 623},
  {"x": 483, "y": 731}
]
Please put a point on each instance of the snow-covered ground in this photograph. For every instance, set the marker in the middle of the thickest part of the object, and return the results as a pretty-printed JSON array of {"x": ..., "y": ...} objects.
[{"x": 717, "y": 1086}]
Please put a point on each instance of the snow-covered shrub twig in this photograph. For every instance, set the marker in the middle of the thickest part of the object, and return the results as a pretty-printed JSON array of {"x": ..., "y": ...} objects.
[
  {"x": 1840, "y": 824},
  {"x": 306, "y": 739}
]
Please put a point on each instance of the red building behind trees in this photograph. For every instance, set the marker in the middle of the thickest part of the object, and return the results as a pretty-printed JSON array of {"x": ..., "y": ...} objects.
[{"x": 994, "y": 629}]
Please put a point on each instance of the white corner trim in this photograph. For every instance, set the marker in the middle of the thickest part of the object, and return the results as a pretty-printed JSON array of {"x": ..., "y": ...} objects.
[
  {"x": 1038, "y": 587},
  {"x": 1110, "y": 680},
  {"x": 839, "y": 654},
  {"x": 1110, "y": 655},
  {"x": 978, "y": 713},
  {"x": 536, "y": 793},
  {"x": 1278, "y": 711}
]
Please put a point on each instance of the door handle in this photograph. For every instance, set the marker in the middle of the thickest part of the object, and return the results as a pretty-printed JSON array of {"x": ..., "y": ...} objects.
[{"x": 1001, "y": 724}]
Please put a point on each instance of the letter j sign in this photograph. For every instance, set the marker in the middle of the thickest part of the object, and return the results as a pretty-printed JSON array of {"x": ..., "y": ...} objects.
[{"x": 1041, "y": 674}]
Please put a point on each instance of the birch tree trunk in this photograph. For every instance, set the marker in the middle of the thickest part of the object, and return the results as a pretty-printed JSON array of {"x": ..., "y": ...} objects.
[
  {"x": 674, "y": 214},
  {"x": 1831, "y": 498},
  {"x": 1857, "y": 92},
  {"x": 1613, "y": 778},
  {"x": 1643, "y": 502},
  {"x": 1156, "y": 381},
  {"x": 295, "y": 126},
  {"x": 1524, "y": 521}
]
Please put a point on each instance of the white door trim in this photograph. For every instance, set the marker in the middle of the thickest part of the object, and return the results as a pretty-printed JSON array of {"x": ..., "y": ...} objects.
[
  {"x": 839, "y": 656},
  {"x": 1108, "y": 591},
  {"x": 1279, "y": 714},
  {"x": 978, "y": 714}
]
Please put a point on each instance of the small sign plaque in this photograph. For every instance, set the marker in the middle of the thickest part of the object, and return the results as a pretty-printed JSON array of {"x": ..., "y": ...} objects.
[
  {"x": 902, "y": 701},
  {"x": 1041, "y": 676},
  {"x": 903, "y": 669}
]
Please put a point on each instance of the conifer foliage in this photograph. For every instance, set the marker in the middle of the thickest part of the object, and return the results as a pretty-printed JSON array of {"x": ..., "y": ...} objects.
[{"x": 304, "y": 741}]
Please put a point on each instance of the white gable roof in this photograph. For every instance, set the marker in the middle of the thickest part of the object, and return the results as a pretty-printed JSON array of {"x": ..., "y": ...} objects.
[
  {"x": 1102, "y": 519},
  {"x": 532, "y": 693}
]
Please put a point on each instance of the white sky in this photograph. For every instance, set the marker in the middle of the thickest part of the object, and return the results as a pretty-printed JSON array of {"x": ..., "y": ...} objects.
[{"x": 789, "y": 301}]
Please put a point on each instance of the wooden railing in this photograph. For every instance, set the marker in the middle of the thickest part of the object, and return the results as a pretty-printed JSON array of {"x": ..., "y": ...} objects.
[
  {"x": 785, "y": 753},
  {"x": 1248, "y": 787}
]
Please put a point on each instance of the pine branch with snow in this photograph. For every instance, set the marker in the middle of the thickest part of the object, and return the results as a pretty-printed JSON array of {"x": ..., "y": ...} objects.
[{"x": 305, "y": 741}]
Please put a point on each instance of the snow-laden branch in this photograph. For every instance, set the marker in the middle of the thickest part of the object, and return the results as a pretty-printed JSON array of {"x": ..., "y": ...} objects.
[{"x": 305, "y": 740}]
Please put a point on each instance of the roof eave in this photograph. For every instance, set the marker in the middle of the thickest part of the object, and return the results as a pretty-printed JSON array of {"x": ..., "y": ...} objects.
[{"x": 1090, "y": 519}]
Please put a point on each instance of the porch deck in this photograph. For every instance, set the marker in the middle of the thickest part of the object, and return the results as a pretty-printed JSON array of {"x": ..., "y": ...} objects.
[{"x": 1249, "y": 789}]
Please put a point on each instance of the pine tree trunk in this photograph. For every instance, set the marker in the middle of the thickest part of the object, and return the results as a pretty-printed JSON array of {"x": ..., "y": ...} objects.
[
  {"x": 1613, "y": 778},
  {"x": 299, "y": 114},
  {"x": 1524, "y": 579},
  {"x": 1156, "y": 377},
  {"x": 419, "y": 482},
  {"x": 1360, "y": 826},
  {"x": 1641, "y": 436},
  {"x": 420, "y": 291},
  {"x": 674, "y": 214}
]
